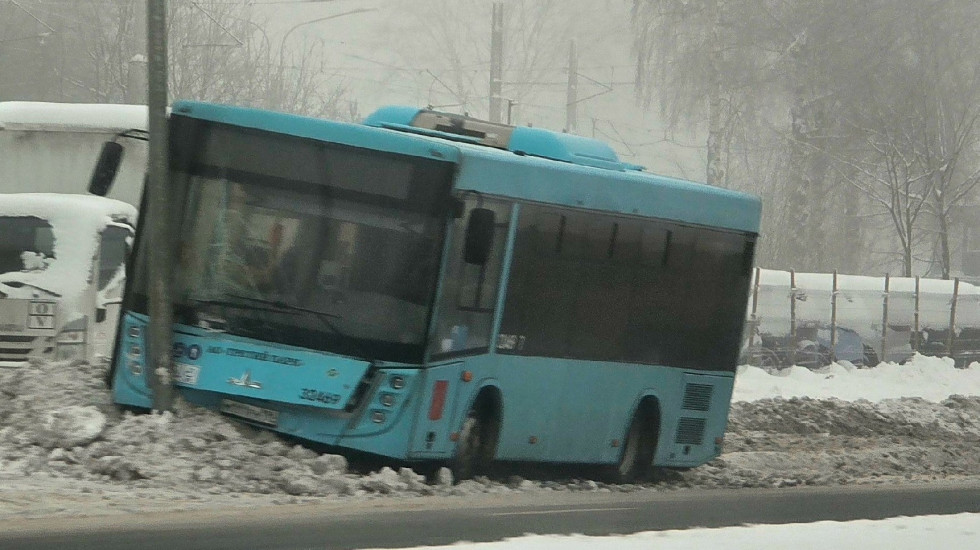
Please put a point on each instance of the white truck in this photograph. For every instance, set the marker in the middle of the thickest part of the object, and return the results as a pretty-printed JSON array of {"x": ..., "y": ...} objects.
[
  {"x": 62, "y": 271},
  {"x": 53, "y": 147},
  {"x": 62, "y": 250}
]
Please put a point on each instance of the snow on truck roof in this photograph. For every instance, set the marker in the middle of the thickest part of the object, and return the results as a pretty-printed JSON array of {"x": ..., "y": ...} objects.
[
  {"x": 76, "y": 209},
  {"x": 71, "y": 117}
]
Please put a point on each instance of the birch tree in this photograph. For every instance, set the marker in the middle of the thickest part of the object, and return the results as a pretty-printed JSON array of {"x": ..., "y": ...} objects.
[{"x": 697, "y": 59}]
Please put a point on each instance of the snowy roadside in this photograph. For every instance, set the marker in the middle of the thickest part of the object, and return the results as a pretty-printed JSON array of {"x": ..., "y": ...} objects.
[{"x": 65, "y": 450}]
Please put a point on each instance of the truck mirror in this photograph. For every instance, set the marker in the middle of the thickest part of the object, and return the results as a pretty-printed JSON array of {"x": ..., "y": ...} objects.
[
  {"x": 479, "y": 236},
  {"x": 106, "y": 168}
]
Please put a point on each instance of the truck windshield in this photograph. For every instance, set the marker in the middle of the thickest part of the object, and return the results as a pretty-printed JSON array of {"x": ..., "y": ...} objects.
[
  {"x": 27, "y": 244},
  {"x": 292, "y": 241}
]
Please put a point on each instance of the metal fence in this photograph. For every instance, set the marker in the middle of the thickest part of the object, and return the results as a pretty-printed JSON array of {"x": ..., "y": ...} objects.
[{"x": 813, "y": 319}]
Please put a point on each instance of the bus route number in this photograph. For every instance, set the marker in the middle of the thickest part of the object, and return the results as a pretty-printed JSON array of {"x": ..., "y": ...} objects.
[{"x": 319, "y": 396}]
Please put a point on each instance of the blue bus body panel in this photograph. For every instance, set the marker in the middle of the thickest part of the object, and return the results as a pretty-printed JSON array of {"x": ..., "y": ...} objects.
[
  {"x": 579, "y": 411},
  {"x": 509, "y": 174},
  {"x": 495, "y": 172},
  {"x": 568, "y": 148},
  {"x": 322, "y": 421},
  {"x": 391, "y": 115},
  {"x": 354, "y": 135},
  {"x": 250, "y": 368},
  {"x": 566, "y": 410}
]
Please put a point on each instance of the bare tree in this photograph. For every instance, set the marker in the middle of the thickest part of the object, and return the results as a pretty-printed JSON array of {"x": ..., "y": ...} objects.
[
  {"x": 697, "y": 59},
  {"x": 893, "y": 176},
  {"x": 919, "y": 117},
  {"x": 219, "y": 51},
  {"x": 823, "y": 80},
  {"x": 948, "y": 92},
  {"x": 455, "y": 38}
]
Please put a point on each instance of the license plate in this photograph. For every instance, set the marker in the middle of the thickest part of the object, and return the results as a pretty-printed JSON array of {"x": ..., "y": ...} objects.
[
  {"x": 268, "y": 417},
  {"x": 188, "y": 374}
]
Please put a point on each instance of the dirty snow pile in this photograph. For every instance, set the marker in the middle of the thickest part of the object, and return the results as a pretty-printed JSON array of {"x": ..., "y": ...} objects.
[
  {"x": 66, "y": 450},
  {"x": 58, "y": 420}
]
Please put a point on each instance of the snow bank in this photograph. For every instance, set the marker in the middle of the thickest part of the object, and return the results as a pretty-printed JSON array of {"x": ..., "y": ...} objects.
[
  {"x": 930, "y": 378},
  {"x": 903, "y": 533},
  {"x": 65, "y": 449}
]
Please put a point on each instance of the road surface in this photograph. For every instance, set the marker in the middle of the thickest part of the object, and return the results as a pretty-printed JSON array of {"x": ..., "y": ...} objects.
[{"x": 405, "y": 522}]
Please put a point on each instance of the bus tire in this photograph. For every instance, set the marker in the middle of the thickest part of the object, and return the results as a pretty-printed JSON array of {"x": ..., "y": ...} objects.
[
  {"x": 477, "y": 442},
  {"x": 639, "y": 445}
]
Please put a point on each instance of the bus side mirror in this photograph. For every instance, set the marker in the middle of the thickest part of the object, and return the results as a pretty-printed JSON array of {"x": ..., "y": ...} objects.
[
  {"x": 106, "y": 168},
  {"x": 479, "y": 236}
]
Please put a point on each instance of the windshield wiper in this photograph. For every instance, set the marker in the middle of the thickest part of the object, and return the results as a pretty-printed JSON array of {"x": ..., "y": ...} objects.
[
  {"x": 238, "y": 303},
  {"x": 322, "y": 316},
  {"x": 282, "y": 307}
]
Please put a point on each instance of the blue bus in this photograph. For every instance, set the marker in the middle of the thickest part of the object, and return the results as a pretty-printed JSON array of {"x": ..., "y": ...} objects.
[{"x": 438, "y": 289}]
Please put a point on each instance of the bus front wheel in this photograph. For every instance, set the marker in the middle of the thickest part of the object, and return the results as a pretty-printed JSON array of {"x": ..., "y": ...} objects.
[{"x": 477, "y": 442}]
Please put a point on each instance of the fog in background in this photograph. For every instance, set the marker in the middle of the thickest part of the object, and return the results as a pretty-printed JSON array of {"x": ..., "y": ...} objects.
[{"x": 854, "y": 121}]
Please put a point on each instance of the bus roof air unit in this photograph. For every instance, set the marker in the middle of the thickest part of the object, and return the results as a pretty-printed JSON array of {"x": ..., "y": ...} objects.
[{"x": 520, "y": 140}]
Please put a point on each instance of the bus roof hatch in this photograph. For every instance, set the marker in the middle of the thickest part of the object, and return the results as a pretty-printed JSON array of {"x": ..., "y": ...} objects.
[{"x": 522, "y": 140}]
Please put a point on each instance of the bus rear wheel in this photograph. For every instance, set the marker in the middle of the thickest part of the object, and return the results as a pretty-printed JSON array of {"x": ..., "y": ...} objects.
[
  {"x": 639, "y": 446},
  {"x": 477, "y": 443}
]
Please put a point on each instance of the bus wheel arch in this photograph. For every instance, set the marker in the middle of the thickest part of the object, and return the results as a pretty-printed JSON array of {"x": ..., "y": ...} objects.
[
  {"x": 479, "y": 435},
  {"x": 639, "y": 443}
]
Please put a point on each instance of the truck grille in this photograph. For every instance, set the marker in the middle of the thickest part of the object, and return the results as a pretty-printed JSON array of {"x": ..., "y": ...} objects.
[{"x": 16, "y": 348}]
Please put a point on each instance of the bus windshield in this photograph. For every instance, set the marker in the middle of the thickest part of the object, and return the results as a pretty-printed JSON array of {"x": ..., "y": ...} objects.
[
  {"x": 337, "y": 251},
  {"x": 27, "y": 244}
]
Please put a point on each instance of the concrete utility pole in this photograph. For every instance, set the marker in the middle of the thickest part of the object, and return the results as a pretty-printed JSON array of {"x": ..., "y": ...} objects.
[
  {"x": 571, "y": 103},
  {"x": 160, "y": 365},
  {"x": 136, "y": 92},
  {"x": 496, "y": 61}
]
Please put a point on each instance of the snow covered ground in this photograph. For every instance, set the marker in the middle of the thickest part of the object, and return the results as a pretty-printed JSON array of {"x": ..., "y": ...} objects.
[
  {"x": 930, "y": 378},
  {"x": 65, "y": 450},
  {"x": 959, "y": 531}
]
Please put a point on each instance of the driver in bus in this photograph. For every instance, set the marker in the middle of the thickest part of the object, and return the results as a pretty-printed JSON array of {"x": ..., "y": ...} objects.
[{"x": 248, "y": 266}]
